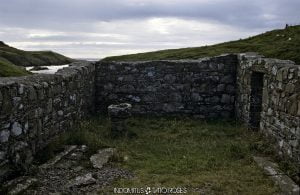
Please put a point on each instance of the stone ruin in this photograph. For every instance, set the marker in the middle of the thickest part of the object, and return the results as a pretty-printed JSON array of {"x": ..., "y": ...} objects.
[{"x": 263, "y": 93}]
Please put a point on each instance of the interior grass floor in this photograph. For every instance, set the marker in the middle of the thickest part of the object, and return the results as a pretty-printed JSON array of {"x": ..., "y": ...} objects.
[{"x": 201, "y": 157}]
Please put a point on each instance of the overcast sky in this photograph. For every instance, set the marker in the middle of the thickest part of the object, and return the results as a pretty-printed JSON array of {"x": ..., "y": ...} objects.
[{"x": 100, "y": 28}]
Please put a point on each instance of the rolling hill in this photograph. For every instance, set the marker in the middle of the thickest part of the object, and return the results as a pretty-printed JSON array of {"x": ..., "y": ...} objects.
[
  {"x": 13, "y": 60},
  {"x": 9, "y": 69},
  {"x": 281, "y": 43}
]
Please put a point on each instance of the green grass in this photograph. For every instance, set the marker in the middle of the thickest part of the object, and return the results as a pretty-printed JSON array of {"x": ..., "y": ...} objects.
[
  {"x": 215, "y": 157},
  {"x": 11, "y": 58},
  {"x": 8, "y": 69},
  {"x": 272, "y": 44}
]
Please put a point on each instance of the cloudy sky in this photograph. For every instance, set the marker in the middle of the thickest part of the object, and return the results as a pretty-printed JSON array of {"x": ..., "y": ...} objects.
[{"x": 99, "y": 28}]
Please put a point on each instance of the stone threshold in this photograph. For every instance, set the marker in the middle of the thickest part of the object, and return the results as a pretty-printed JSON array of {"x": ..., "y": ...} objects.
[{"x": 287, "y": 185}]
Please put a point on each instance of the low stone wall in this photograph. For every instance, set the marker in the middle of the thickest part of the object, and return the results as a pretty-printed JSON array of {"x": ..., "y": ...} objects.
[
  {"x": 204, "y": 88},
  {"x": 280, "y": 112},
  {"x": 33, "y": 109}
]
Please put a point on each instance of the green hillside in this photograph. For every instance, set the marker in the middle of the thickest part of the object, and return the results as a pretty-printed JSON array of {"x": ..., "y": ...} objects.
[
  {"x": 31, "y": 58},
  {"x": 11, "y": 58},
  {"x": 9, "y": 69},
  {"x": 281, "y": 44}
]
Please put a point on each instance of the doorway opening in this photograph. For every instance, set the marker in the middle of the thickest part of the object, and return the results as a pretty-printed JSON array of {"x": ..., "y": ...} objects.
[{"x": 257, "y": 82}]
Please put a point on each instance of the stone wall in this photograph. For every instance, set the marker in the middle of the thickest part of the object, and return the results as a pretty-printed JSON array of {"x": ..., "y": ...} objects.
[
  {"x": 33, "y": 109},
  {"x": 264, "y": 93},
  {"x": 204, "y": 88},
  {"x": 280, "y": 113}
]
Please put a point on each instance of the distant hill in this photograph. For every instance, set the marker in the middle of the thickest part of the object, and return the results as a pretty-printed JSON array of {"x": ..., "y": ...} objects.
[
  {"x": 282, "y": 44},
  {"x": 11, "y": 59},
  {"x": 32, "y": 58},
  {"x": 9, "y": 69}
]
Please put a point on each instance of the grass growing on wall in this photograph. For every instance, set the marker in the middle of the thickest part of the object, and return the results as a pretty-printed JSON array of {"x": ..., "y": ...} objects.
[
  {"x": 214, "y": 157},
  {"x": 282, "y": 44}
]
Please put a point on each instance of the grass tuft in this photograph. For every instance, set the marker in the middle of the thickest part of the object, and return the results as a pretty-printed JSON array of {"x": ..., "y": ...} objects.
[{"x": 237, "y": 151}]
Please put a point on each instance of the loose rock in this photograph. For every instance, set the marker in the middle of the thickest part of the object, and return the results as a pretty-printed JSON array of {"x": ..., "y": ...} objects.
[{"x": 101, "y": 158}]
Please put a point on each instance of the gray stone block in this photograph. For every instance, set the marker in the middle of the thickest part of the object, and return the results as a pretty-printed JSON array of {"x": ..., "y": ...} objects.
[{"x": 4, "y": 136}]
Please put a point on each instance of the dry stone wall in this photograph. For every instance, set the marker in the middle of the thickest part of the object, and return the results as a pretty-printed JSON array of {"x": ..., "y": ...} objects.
[
  {"x": 280, "y": 99},
  {"x": 204, "y": 88},
  {"x": 264, "y": 93},
  {"x": 33, "y": 109}
]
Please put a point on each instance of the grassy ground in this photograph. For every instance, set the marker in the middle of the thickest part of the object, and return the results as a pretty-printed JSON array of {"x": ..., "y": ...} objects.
[
  {"x": 282, "y": 44},
  {"x": 8, "y": 69},
  {"x": 213, "y": 157}
]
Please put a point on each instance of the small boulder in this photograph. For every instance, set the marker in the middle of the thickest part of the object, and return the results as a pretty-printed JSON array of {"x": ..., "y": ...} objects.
[{"x": 102, "y": 157}]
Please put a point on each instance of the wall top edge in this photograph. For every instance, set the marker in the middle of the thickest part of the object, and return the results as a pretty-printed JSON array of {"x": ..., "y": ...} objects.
[
  {"x": 72, "y": 70},
  {"x": 260, "y": 59},
  {"x": 173, "y": 61},
  {"x": 248, "y": 56}
]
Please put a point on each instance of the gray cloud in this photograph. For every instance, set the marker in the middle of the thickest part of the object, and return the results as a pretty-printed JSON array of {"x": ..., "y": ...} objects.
[
  {"x": 74, "y": 26},
  {"x": 255, "y": 13}
]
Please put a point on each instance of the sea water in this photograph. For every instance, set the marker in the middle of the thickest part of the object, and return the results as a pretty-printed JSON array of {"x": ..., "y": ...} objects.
[
  {"x": 51, "y": 69},
  {"x": 54, "y": 68}
]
